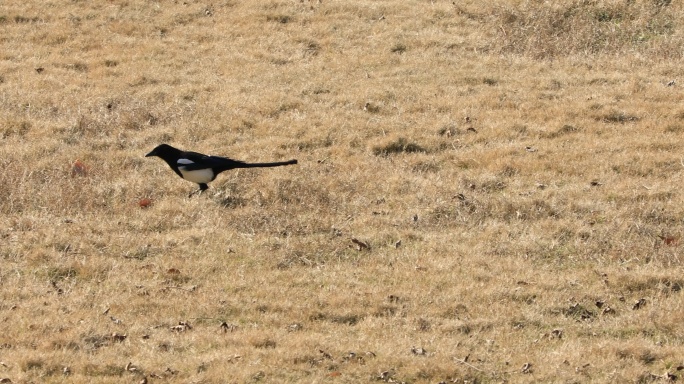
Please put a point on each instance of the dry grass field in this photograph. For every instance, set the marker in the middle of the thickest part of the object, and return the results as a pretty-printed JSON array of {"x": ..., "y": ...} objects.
[{"x": 487, "y": 192}]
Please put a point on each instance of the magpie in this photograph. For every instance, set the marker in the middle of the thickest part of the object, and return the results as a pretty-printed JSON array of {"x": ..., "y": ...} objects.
[{"x": 201, "y": 169}]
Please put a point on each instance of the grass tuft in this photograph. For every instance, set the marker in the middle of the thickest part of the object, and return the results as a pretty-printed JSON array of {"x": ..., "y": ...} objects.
[{"x": 400, "y": 145}]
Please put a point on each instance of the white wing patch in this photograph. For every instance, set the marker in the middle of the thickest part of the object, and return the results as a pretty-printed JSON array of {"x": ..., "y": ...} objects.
[{"x": 185, "y": 161}]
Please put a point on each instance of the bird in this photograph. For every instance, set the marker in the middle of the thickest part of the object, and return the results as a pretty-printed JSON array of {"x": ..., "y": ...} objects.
[{"x": 200, "y": 168}]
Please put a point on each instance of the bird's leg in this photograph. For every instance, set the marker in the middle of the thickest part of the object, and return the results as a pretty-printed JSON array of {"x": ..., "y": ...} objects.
[{"x": 203, "y": 187}]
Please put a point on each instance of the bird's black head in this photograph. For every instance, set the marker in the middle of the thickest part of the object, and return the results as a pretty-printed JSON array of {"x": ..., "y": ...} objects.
[{"x": 164, "y": 151}]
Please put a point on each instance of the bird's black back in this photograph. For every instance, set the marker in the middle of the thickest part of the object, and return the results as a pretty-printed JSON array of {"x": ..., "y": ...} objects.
[{"x": 216, "y": 163}]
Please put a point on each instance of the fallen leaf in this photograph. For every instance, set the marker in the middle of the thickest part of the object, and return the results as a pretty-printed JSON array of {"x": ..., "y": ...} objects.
[
  {"x": 170, "y": 371},
  {"x": 669, "y": 240},
  {"x": 79, "y": 169},
  {"x": 360, "y": 245},
  {"x": 181, "y": 327},
  {"x": 118, "y": 337},
  {"x": 144, "y": 203},
  {"x": 608, "y": 311},
  {"x": 295, "y": 327},
  {"x": 225, "y": 327},
  {"x": 640, "y": 303},
  {"x": 526, "y": 368},
  {"x": 418, "y": 351},
  {"x": 350, "y": 356}
]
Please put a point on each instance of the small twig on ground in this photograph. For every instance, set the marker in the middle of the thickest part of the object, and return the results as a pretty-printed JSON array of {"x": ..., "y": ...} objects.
[{"x": 468, "y": 364}]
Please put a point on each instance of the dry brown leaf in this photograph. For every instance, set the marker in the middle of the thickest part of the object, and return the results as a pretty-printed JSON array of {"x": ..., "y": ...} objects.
[
  {"x": 669, "y": 240},
  {"x": 79, "y": 169},
  {"x": 225, "y": 327},
  {"x": 418, "y": 351},
  {"x": 640, "y": 303},
  {"x": 181, "y": 327},
  {"x": 526, "y": 368},
  {"x": 294, "y": 327},
  {"x": 118, "y": 337},
  {"x": 384, "y": 375},
  {"x": 349, "y": 356},
  {"x": 360, "y": 245}
]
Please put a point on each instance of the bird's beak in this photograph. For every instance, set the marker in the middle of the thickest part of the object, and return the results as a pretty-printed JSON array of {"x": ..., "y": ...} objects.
[{"x": 151, "y": 154}]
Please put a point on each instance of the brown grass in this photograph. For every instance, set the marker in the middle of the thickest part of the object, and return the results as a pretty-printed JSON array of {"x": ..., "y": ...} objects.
[{"x": 512, "y": 169}]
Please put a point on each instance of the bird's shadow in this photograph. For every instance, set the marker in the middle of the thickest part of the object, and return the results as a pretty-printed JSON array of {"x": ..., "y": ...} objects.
[{"x": 230, "y": 201}]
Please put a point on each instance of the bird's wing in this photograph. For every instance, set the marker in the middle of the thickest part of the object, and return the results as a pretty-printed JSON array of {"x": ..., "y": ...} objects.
[{"x": 192, "y": 161}]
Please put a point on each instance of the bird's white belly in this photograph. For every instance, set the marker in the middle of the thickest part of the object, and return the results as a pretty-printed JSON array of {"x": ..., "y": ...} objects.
[{"x": 200, "y": 176}]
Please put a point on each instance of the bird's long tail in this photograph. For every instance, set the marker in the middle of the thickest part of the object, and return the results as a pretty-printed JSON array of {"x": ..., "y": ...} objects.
[{"x": 264, "y": 165}]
